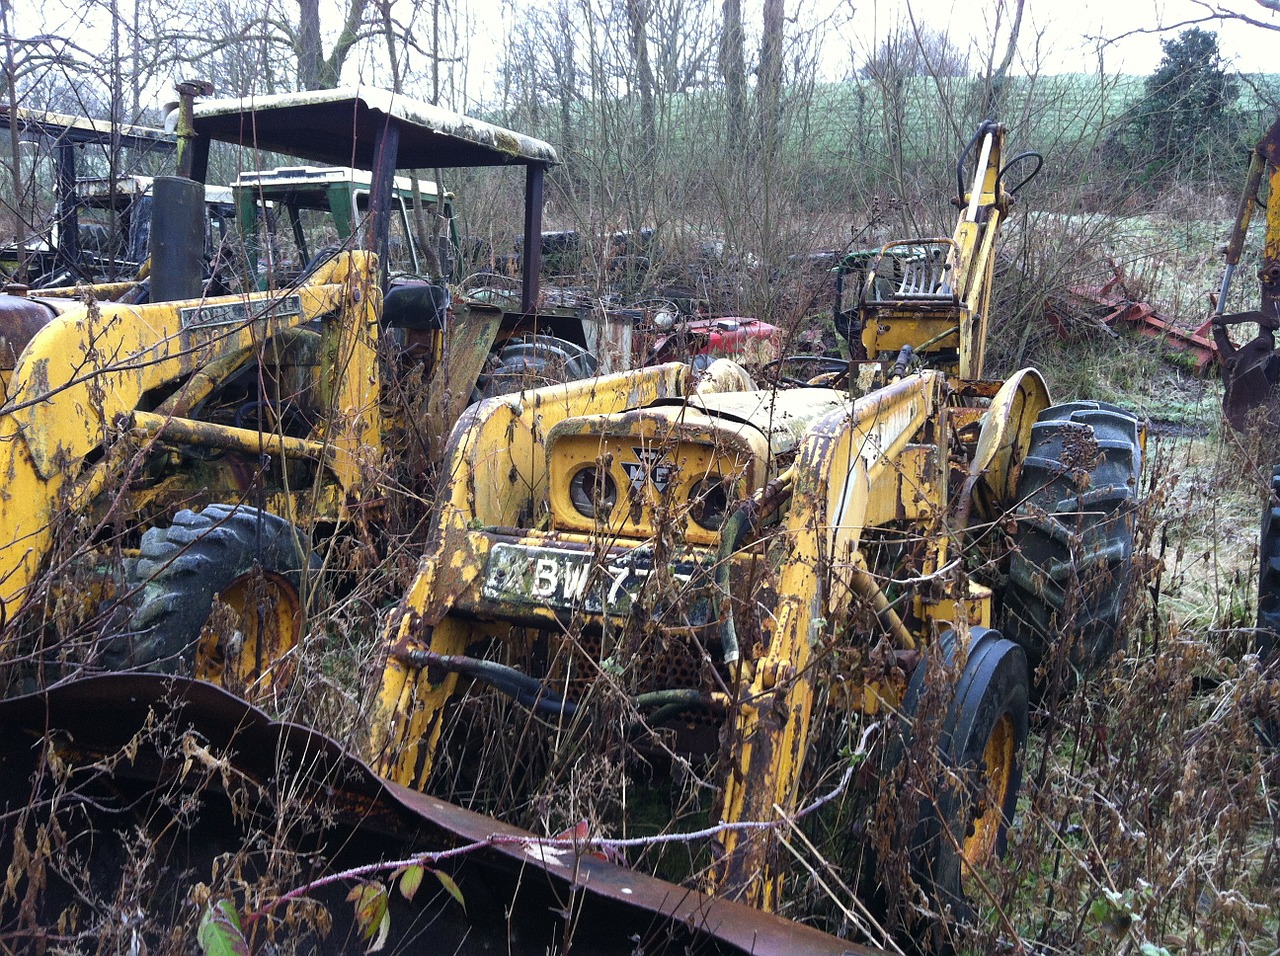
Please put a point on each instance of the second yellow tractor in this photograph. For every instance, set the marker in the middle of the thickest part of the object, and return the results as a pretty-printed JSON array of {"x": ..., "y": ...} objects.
[{"x": 760, "y": 586}]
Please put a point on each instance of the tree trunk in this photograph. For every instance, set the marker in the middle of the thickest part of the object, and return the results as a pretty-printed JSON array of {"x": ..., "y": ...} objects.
[
  {"x": 307, "y": 46},
  {"x": 15, "y": 140},
  {"x": 769, "y": 76},
  {"x": 638, "y": 20},
  {"x": 995, "y": 85},
  {"x": 733, "y": 69},
  {"x": 567, "y": 72}
]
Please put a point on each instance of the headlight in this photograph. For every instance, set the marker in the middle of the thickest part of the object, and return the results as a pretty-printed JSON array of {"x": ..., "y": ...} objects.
[
  {"x": 593, "y": 492},
  {"x": 709, "y": 502}
]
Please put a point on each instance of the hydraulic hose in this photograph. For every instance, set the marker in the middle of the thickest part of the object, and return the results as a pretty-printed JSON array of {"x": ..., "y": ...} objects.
[
  {"x": 742, "y": 523},
  {"x": 529, "y": 691},
  {"x": 525, "y": 690}
]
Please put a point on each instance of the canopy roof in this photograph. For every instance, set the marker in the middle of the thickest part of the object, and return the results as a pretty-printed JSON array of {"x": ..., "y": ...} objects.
[
  {"x": 78, "y": 129},
  {"x": 340, "y": 127}
]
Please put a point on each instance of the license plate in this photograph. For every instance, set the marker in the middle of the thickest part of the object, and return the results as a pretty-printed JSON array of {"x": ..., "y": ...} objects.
[{"x": 578, "y": 581}]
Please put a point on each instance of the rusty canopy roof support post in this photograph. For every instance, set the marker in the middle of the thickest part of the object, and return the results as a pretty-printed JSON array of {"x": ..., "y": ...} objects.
[
  {"x": 532, "y": 264},
  {"x": 386, "y": 147},
  {"x": 68, "y": 213}
]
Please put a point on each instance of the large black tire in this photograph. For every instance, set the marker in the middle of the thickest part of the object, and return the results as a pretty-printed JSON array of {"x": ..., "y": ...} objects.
[
  {"x": 1266, "y": 642},
  {"x": 180, "y": 570},
  {"x": 1267, "y": 638},
  {"x": 1075, "y": 506},
  {"x": 968, "y": 796},
  {"x": 532, "y": 361}
]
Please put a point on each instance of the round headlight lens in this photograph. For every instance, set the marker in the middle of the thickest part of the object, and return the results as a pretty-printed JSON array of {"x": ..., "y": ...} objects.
[
  {"x": 709, "y": 503},
  {"x": 593, "y": 492}
]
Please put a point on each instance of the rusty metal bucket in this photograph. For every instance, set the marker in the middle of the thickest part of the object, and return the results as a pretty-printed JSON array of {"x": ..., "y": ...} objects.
[{"x": 130, "y": 800}]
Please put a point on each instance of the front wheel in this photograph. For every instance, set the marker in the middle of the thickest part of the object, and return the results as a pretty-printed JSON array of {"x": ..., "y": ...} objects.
[
  {"x": 967, "y": 797},
  {"x": 217, "y": 595}
]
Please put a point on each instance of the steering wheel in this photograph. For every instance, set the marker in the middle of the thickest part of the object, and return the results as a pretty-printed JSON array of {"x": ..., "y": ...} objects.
[{"x": 825, "y": 364}]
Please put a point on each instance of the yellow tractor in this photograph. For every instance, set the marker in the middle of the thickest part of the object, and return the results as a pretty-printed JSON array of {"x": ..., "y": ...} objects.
[
  {"x": 180, "y": 444},
  {"x": 748, "y": 581}
]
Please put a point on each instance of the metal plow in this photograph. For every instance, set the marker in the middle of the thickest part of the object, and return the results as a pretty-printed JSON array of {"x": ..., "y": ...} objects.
[{"x": 131, "y": 801}]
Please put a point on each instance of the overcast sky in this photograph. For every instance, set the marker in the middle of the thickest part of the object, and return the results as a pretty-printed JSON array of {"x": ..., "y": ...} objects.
[
  {"x": 1070, "y": 30},
  {"x": 1058, "y": 36}
]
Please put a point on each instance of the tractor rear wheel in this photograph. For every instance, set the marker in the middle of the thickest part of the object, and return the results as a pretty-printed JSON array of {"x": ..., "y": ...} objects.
[
  {"x": 967, "y": 798},
  {"x": 217, "y": 595},
  {"x": 532, "y": 361},
  {"x": 1073, "y": 548},
  {"x": 1267, "y": 636},
  {"x": 1267, "y": 640}
]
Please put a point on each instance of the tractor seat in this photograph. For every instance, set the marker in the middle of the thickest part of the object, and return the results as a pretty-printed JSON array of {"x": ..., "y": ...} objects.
[{"x": 416, "y": 307}]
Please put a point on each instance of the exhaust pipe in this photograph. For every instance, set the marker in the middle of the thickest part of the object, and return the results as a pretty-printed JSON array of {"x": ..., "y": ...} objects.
[{"x": 177, "y": 239}]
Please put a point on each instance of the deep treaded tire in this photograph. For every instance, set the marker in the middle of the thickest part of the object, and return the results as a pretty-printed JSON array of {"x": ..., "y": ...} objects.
[
  {"x": 532, "y": 361},
  {"x": 1073, "y": 547},
  {"x": 182, "y": 567},
  {"x": 1268, "y": 636}
]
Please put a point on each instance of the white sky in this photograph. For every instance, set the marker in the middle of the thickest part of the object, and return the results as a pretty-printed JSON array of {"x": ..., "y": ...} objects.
[
  {"x": 1058, "y": 36},
  {"x": 1070, "y": 29}
]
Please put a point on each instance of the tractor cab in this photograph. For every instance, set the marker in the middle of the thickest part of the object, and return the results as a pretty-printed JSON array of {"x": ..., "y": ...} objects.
[
  {"x": 378, "y": 132},
  {"x": 90, "y": 219},
  {"x": 304, "y": 214}
]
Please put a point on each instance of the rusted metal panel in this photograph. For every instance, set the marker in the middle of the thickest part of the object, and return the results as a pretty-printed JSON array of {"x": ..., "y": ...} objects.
[
  {"x": 468, "y": 337},
  {"x": 20, "y": 319},
  {"x": 1109, "y": 307},
  {"x": 610, "y": 338},
  {"x": 1250, "y": 372},
  {"x": 523, "y": 895}
]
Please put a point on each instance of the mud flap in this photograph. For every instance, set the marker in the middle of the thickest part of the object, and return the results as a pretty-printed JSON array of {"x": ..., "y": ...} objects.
[{"x": 157, "y": 785}]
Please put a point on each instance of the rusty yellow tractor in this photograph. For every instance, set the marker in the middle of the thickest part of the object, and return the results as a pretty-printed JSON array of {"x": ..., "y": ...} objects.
[
  {"x": 763, "y": 577},
  {"x": 191, "y": 436}
]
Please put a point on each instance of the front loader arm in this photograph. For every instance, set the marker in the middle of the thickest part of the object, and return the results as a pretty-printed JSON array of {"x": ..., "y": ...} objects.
[
  {"x": 83, "y": 376},
  {"x": 854, "y": 473}
]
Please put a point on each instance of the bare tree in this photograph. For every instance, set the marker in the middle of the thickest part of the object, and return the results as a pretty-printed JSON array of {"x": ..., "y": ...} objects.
[
  {"x": 733, "y": 68},
  {"x": 769, "y": 71},
  {"x": 638, "y": 21},
  {"x": 913, "y": 50}
]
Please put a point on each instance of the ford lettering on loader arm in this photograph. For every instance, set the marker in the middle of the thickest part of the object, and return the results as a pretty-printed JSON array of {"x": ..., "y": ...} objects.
[{"x": 747, "y": 582}]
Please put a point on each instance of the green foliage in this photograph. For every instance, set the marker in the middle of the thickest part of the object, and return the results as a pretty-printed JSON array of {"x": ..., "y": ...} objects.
[
  {"x": 219, "y": 932},
  {"x": 372, "y": 913},
  {"x": 1184, "y": 123}
]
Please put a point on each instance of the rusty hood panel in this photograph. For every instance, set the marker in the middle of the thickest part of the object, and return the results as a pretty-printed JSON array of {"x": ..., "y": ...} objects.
[{"x": 112, "y": 755}]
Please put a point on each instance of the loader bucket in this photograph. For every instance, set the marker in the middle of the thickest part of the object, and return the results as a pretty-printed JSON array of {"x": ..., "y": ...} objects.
[
  {"x": 1250, "y": 372},
  {"x": 133, "y": 800}
]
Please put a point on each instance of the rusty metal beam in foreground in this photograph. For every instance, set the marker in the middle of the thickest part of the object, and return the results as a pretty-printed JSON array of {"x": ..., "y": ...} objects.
[{"x": 246, "y": 772}]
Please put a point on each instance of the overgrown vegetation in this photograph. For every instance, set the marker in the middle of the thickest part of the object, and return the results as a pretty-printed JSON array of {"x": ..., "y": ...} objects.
[{"x": 1150, "y": 820}]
